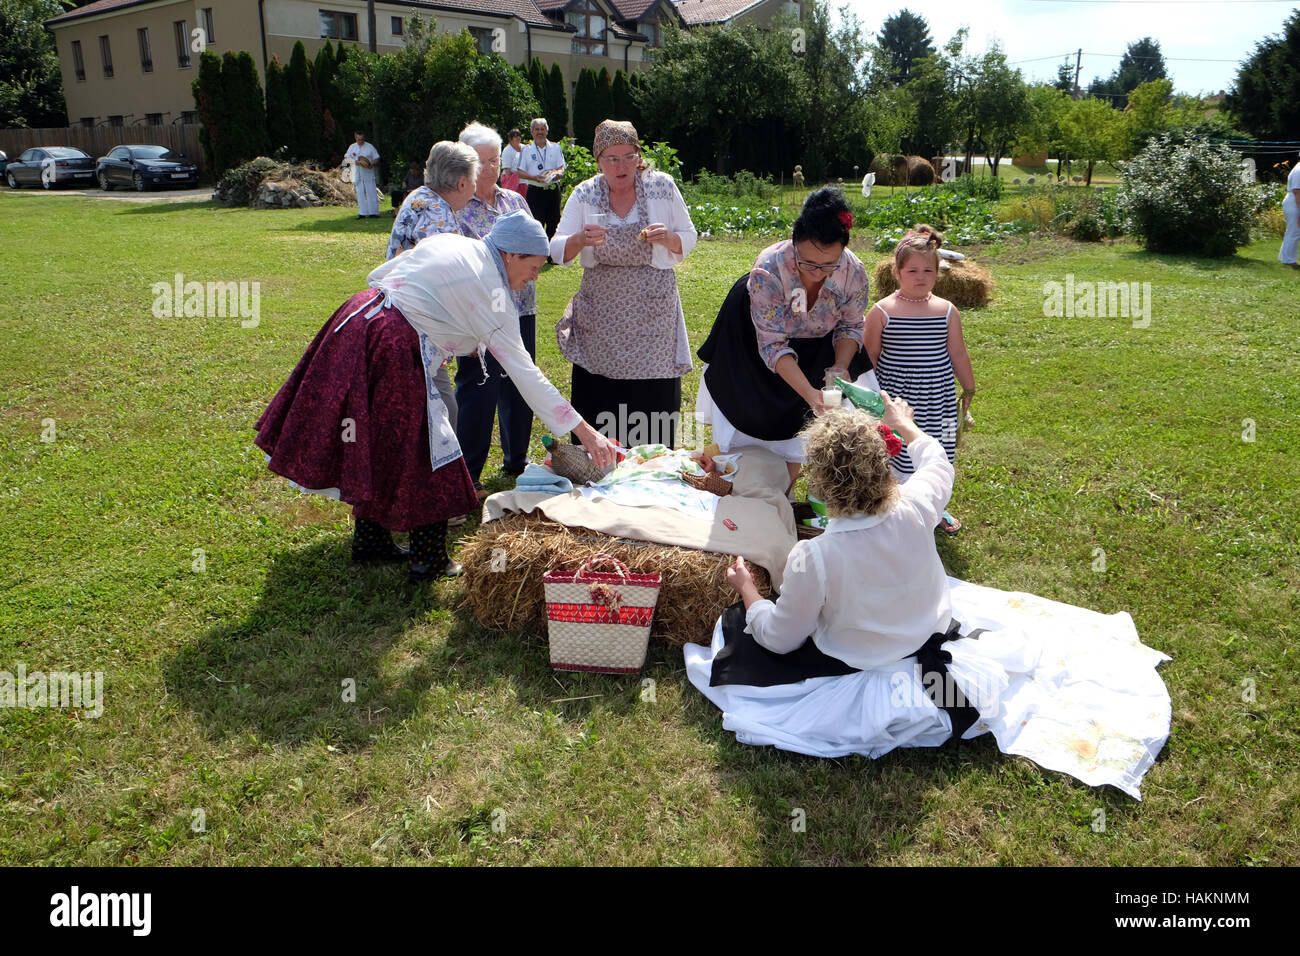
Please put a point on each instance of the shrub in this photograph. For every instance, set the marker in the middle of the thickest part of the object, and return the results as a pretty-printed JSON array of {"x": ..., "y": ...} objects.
[
  {"x": 1087, "y": 228},
  {"x": 1188, "y": 198},
  {"x": 238, "y": 186}
]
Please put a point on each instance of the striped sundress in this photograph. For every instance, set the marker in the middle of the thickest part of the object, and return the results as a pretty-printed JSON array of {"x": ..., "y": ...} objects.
[{"x": 914, "y": 365}]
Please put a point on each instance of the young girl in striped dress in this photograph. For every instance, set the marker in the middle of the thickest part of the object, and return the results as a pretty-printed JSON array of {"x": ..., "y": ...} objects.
[{"x": 914, "y": 340}]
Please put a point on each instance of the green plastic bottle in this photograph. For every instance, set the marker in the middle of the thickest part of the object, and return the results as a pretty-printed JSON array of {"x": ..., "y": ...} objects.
[{"x": 863, "y": 398}]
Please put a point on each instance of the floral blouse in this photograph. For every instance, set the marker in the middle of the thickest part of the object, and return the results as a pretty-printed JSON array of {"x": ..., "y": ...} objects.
[
  {"x": 424, "y": 213},
  {"x": 476, "y": 221},
  {"x": 781, "y": 312}
]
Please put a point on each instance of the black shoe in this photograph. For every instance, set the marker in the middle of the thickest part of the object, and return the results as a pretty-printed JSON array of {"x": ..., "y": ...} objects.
[
  {"x": 514, "y": 472},
  {"x": 395, "y": 552},
  {"x": 426, "y": 572},
  {"x": 361, "y": 217}
]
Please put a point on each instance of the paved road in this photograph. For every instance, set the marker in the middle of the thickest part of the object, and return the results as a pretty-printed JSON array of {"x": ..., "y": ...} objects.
[{"x": 126, "y": 195}]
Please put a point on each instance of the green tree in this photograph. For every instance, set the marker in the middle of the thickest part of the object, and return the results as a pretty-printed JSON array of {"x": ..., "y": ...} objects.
[
  {"x": 1150, "y": 111},
  {"x": 252, "y": 109},
  {"x": 211, "y": 104},
  {"x": 1065, "y": 77},
  {"x": 1001, "y": 106},
  {"x": 537, "y": 79},
  {"x": 279, "y": 115},
  {"x": 624, "y": 106},
  {"x": 1265, "y": 99},
  {"x": 305, "y": 137},
  {"x": 1093, "y": 132},
  {"x": 430, "y": 89},
  {"x": 834, "y": 126},
  {"x": 556, "y": 104},
  {"x": 586, "y": 112},
  {"x": 604, "y": 96},
  {"x": 1141, "y": 63},
  {"x": 1041, "y": 129},
  {"x": 903, "y": 39},
  {"x": 31, "y": 86},
  {"x": 687, "y": 94}
]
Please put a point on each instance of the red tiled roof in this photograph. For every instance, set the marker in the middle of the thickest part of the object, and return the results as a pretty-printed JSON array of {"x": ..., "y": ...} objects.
[
  {"x": 526, "y": 10},
  {"x": 700, "y": 12},
  {"x": 632, "y": 9},
  {"x": 90, "y": 9}
]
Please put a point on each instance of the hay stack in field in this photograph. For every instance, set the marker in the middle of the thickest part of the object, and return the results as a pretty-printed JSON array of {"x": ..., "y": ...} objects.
[
  {"x": 890, "y": 170},
  {"x": 964, "y": 285},
  {"x": 505, "y": 559},
  {"x": 920, "y": 172},
  {"x": 903, "y": 170}
]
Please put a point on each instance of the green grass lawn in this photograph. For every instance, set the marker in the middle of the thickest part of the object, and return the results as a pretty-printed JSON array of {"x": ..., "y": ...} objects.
[{"x": 223, "y": 697}]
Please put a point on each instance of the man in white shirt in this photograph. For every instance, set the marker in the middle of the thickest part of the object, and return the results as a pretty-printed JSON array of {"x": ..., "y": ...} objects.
[
  {"x": 542, "y": 168},
  {"x": 1287, "y": 255},
  {"x": 364, "y": 159}
]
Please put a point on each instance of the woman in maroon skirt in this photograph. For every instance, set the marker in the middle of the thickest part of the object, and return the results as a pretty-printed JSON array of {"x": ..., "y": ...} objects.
[{"x": 360, "y": 419}]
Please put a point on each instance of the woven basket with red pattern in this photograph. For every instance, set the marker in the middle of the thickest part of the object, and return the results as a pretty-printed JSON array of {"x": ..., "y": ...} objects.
[{"x": 600, "y": 621}]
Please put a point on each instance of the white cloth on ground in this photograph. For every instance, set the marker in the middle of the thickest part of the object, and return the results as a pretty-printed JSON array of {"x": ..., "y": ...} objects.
[{"x": 1071, "y": 689}]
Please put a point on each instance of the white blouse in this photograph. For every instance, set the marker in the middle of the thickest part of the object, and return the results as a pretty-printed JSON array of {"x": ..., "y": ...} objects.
[
  {"x": 664, "y": 204},
  {"x": 449, "y": 288},
  {"x": 871, "y": 589},
  {"x": 510, "y": 159}
]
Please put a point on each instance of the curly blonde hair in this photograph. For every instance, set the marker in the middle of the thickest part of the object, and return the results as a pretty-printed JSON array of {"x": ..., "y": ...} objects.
[{"x": 847, "y": 464}]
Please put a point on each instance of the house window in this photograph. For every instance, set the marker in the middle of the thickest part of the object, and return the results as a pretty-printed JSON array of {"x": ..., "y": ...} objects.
[
  {"x": 397, "y": 26},
  {"x": 115, "y": 121},
  {"x": 654, "y": 33},
  {"x": 106, "y": 54},
  {"x": 189, "y": 117},
  {"x": 180, "y": 28},
  {"x": 87, "y": 122},
  {"x": 146, "y": 54},
  {"x": 209, "y": 33},
  {"x": 77, "y": 62},
  {"x": 483, "y": 38},
  {"x": 154, "y": 119},
  {"x": 589, "y": 20},
  {"x": 338, "y": 26}
]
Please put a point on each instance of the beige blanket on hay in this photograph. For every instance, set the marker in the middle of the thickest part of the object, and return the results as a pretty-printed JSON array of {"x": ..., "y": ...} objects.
[{"x": 757, "y": 506}]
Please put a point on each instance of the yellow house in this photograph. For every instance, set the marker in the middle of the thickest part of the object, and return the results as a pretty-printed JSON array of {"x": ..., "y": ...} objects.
[{"x": 132, "y": 62}]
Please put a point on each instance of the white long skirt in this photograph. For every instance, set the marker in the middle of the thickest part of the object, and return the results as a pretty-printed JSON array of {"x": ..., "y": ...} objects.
[{"x": 1071, "y": 689}]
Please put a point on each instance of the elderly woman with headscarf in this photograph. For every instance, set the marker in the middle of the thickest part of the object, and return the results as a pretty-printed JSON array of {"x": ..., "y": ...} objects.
[
  {"x": 624, "y": 331},
  {"x": 360, "y": 420},
  {"x": 481, "y": 399}
]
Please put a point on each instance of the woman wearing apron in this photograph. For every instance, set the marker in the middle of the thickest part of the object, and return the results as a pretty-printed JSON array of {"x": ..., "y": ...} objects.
[
  {"x": 624, "y": 331},
  {"x": 361, "y": 420}
]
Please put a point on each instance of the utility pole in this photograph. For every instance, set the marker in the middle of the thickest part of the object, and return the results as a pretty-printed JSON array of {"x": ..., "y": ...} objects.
[{"x": 1078, "y": 62}]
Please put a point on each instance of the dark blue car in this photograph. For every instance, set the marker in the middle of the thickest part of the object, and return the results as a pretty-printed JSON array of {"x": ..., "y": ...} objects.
[
  {"x": 141, "y": 167},
  {"x": 50, "y": 166}
]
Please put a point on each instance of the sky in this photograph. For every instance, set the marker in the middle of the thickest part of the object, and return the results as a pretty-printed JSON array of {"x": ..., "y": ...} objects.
[{"x": 1220, "y": 33}]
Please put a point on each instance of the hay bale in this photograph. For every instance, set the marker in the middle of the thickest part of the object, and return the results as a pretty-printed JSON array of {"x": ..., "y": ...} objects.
[
  {"x": 964, "y": 285},
  {"x": 508, "y": 595},
  {"x": 890, "y": 170},
  {"x": 920, "y": 172}
]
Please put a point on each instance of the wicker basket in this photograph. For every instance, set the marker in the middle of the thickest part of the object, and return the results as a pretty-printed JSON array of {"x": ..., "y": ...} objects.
[
  {"x": 711, "y": 482},
  {"x": 597, "y": 621}
]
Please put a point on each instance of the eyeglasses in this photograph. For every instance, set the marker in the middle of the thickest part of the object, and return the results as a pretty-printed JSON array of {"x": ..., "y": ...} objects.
[
  {"x": 826, "y": 269},
  {"x": 620, "y": 160}
]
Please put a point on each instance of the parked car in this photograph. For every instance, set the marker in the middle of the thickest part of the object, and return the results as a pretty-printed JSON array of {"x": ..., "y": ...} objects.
[
  {"x": 145, "y": 166},
  {"x": 4, "y": 161},
  {"x": 50, "y": 166}
]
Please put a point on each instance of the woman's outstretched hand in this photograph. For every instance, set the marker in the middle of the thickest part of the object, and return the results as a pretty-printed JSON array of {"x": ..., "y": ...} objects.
[
  {"x": 900, "y": 417},
  {"x": 602, "y": 451}
]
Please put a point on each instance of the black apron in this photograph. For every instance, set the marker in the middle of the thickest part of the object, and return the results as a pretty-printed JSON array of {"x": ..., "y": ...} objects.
[{"x": 755, "y": 399}]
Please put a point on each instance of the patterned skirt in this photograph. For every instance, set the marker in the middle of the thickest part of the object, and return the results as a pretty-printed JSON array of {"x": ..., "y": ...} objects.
[{"x": 353, "y": 416}]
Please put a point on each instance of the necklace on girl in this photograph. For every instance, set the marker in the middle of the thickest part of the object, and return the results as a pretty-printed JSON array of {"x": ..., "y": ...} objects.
[{"x": 911, "y": 298}]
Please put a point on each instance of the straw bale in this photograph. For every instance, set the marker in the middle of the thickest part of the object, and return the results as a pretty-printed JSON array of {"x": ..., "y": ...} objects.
[
  {"x": 505, "y": 559},
  {"x": 965, "y": 284}
]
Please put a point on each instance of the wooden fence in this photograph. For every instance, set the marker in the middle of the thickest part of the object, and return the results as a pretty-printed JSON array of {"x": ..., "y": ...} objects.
[{"x": 98, "y": 140}]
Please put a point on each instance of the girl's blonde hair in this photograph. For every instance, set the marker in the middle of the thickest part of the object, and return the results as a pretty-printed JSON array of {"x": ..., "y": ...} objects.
[
  {"x": 920, "y": 239},
  {"x": 847, "y": 464}
]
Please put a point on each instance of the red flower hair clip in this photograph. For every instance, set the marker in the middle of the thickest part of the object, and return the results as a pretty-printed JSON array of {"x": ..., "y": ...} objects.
[
  {"x": 846, "y": 218},
  {"x": 893, "y": 444}
]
